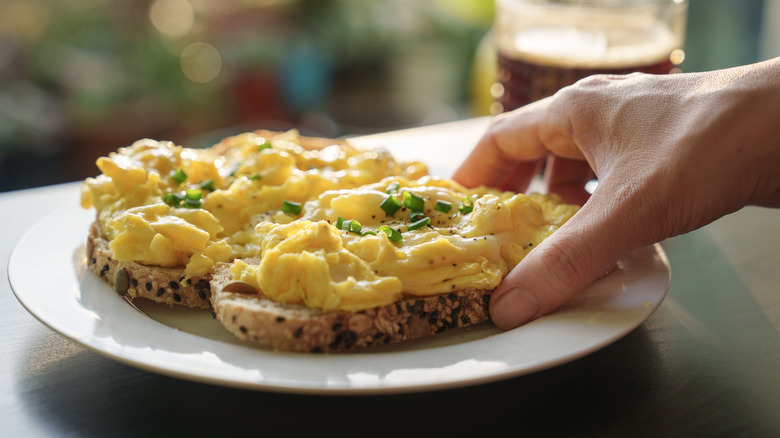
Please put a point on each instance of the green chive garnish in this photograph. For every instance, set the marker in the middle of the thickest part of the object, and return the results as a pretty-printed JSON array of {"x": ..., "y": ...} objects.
[
  {"x": 263, "y": 143},
  {"x": 390, "y": 205},
  {"x": 349, "y": 225},
  {"x": 207, "y": 185},
  {"x": 443, "y": 206},
  {"x": 188, "y": 199},
  {"x": 179, "y": 176},
  {"x": 466, "y": 206},
  {"x": 193, "y": 194},
  {"x": 340, "y": 223},
  {"x": 291, "y": 207},
  {"x": 368, "y": 233},
  {"x": 355, "y": 226},
  {"x": 413, "y": 201},
  {"x": 393, "y": 188},
  {"x": 173, "y": 199},
  {"x": 419, "y": 224},
  {"x": 416, "y": 215},
  {"x": 392, "y": 234}
]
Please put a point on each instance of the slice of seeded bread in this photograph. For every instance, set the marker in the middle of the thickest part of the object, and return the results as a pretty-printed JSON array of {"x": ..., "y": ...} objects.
[
  {"x": 250, "y": 316},
  {"x": 163, "y": 285}
]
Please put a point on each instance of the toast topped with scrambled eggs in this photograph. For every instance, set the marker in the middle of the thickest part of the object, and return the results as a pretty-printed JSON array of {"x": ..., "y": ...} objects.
[{"x": 307, "y": 244}]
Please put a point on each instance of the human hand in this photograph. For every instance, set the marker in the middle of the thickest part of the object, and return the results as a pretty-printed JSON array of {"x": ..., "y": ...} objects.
[{"x": 672, "y": 153}]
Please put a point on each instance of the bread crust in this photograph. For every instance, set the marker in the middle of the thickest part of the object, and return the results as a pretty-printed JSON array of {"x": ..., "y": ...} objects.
[
  {"x": 162, "y": 285},
  {"x": 289, "y": 327}
]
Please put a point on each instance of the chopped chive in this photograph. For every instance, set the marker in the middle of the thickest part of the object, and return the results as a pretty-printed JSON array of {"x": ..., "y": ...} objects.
[
  {"x": 262, "y": 143},
  {"x": 207, "y": 185},
  {"x": 393, "y": 188},
  {"x": 416, "y": 215},
  {"x": 346, "y": 225},
  {"x": 443, "y": 206},
  {"x": 254, "y": 177},
  {"x": 194, "y": 194},
  {"x": 413, "y": 201},
  {"x": 419, "y": 224},
  {"x": 191, "y": 203},
  {"x": 173, "y": 199},
  {"x": 179, "y": 176},
  {"x": 466, "y": 206},
  {"x": 291, "y": 207},
  {"x": 368, "y": 233},
  {"x": 392, "y": 234},
  {"x": 340, "y": 223},
  {"x": 390, "y": 205},
  {"x": 355, "y": 226}
]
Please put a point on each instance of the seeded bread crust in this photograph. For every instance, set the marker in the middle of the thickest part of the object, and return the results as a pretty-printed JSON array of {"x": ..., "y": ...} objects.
[
  {"x": 163, "y": 285},
  {"x": 252, "y": 317}
]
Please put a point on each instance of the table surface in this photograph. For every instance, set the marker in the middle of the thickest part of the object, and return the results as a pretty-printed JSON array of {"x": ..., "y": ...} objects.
[{"x": 706, "y": 363}]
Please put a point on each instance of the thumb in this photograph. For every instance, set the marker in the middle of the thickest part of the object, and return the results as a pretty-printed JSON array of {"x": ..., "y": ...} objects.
[{"x": 557, "y": 269}]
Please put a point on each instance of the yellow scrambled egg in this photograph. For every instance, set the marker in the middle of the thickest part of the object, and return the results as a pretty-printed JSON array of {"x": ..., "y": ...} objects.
[{"x": 335, "y": 228}]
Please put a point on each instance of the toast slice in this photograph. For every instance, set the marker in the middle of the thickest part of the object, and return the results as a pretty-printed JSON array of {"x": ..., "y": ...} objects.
[
  {"x": 245, "y": 312},
  {"x": 159, "y": 284}
]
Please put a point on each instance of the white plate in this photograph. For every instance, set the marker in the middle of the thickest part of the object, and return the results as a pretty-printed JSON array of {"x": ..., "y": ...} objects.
[{"x": 48, "y": 274}]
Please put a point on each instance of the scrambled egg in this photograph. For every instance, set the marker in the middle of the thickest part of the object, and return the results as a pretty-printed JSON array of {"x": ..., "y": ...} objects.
[{"x": 336, "y": 228}]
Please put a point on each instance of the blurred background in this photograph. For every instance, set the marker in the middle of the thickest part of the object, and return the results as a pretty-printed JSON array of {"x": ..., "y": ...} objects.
[{"x": 81, "y": 78}]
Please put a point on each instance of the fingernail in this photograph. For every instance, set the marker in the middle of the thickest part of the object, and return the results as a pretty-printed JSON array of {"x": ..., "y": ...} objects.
[{"x": 513, "y": 308}]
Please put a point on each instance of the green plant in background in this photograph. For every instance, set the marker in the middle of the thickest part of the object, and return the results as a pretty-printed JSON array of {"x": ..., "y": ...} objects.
[{"x": 119, "y": 68}]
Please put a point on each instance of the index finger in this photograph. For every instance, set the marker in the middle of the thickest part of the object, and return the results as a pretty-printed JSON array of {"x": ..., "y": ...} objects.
[{"x": 513, "y": 142}]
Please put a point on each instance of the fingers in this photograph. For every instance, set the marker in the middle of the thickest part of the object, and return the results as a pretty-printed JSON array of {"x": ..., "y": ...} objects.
[
  {"x": 519, "y": 178},
  {"x": 515, "y": 144},
  {"x": 508, "y": 151},
  {"x": 560, "y": 267},
  {"x": 567, "y": 178}
]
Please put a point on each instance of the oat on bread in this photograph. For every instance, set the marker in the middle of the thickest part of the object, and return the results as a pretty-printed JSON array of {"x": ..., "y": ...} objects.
[{"x": 250, "y": 316}]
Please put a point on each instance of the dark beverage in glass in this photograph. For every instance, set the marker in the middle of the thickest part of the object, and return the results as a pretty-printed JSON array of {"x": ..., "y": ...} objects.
[
  {"x": 545, "y": 45},
  {"x": 524, "y": 82}
]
